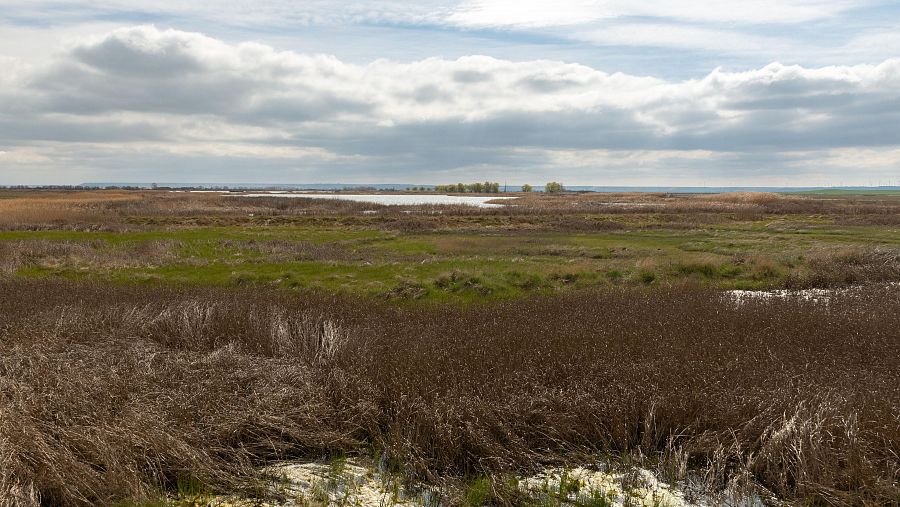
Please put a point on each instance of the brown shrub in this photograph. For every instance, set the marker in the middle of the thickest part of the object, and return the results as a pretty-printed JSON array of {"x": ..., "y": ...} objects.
[
  {"x": 845, "y": 267},
  {"x": 112, "y": 392},
  {"x": 51, "y": 253},
  {"x": 281, "y": 250},
  {"x": 744, "y": 197},
  {"x": 121, "y": 210}
]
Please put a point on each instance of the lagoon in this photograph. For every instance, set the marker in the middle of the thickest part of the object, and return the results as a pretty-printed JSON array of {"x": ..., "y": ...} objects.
[{"x": 397, "y": 199}]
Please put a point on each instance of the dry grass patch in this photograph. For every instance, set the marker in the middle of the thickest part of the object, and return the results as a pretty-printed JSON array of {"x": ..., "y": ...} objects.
[
  {"x": 98, "y": 254},
  {"x": 111, "y": 393},
  {"x": 744, "y": 197},
  {"x": 846, "y": 267}
]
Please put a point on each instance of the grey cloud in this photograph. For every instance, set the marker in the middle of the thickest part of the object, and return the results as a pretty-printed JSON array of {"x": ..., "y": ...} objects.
[
  {"x": 543, "y": 103},
  {"x": 544, "y": 85},
  {"x": 434, "y": 114},
  {"x": 141, "y": 56},
  {"x": 70, "y": 90},
  {"x": 430, "y": 93},
  {"x": 471, "y": 76},
  {"x": 300, "y": 109},
  {"x": 822, "y": 101},
  {"x": 24, "y": 130}
]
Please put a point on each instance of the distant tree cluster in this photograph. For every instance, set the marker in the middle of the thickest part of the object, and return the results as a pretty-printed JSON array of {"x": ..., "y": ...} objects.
[
  {"x": 554, "y": 187},
  {"x": 488, "y": 187}
]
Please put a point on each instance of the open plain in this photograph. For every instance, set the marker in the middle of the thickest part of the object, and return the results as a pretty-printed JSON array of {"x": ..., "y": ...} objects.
[{"x": 171, "y": 347}]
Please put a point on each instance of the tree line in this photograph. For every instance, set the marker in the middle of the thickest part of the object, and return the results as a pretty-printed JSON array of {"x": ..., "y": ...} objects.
[{"x": 488, "y": 187}]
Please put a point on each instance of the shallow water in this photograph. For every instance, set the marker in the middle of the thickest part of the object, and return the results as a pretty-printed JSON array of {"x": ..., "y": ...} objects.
[
  {"x": 815, "y": 295},
  {"x": 396, "y": 199},
  {"x": 807, "y": 294}
]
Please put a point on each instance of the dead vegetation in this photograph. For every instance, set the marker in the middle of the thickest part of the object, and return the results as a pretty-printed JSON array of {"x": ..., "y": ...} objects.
[
  {"x": 112, "y": 393},
  {"x": 128, "y": 210},
  {"x": 759, "y": 198},
  {"x": 119, "y": 393},
  {"x": 16, "y": 254},
  {"x": 846, "y": 267}
]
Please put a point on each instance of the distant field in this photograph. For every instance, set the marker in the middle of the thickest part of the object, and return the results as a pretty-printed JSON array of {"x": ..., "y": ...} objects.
[
  {"x": 164, "y": 348},
  {"x": 539, "y": 244},
  {"x": 853, "y": 193}
]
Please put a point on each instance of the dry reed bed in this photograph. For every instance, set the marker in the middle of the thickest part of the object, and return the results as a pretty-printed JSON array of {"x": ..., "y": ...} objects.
[
  {"x": 109, "y": 393},
  {"x": 119, "y": 210},
  {"x": 93, "y": 254},
  {"x": 89, "y": 255}
]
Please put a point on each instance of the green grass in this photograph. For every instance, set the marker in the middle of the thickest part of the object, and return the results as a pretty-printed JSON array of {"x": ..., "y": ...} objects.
[
  {"x": 457, "y": 266},
  {"x": 478, "y": 492},
  {"x": 312, "y": 234}
]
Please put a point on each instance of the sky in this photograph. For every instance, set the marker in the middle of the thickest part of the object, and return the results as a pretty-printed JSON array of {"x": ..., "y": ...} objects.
[{"x": 588, "y": 92}]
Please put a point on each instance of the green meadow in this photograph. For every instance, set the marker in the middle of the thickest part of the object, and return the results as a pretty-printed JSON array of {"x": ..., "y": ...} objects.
[{"x": 449, "y": 265}]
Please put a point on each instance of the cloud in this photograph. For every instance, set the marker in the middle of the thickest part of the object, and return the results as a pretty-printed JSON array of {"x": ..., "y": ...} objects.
[
  {"x": 679, "y": 36},
  {"x": 873, "y": 45},
  {"x": 269, "y": 12},
  {"x": 538, "y": 13},
  {"x": 700, "y": 34},
  {"x": 472, "y": 13},
  {"x": 141, "y": 93}
]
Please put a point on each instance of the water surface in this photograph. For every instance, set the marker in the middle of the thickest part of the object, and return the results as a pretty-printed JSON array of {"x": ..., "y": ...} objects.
[{"x": 398, "y": 199}]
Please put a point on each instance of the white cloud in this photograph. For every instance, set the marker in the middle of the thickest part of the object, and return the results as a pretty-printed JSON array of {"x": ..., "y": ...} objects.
[
  {"x": 528, "y": 13},
  {"x": 166, "y": 94},
  {"x": 268, "y": 12},
  {"x": 740, "y": 11},
  {"x": 872, "y": 45},
  {"x": 23, "y": 155},
  {"x": 747, "y": 32},
  {"x": 863, "y": 159},
  {"x": 540, "y": 13},
  {"x": 495, "y": 13},
  {"x": 679, "y": 36}
]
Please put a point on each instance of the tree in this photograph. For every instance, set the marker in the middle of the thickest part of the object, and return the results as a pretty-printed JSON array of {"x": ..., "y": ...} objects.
[
  {"x": 554, "y": 187},
  {"x": 487, "y": 187},
  {"x": 526, "y": 188}
]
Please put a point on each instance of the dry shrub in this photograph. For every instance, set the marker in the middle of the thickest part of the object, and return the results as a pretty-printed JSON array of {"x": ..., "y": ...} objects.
[
  {"x": 124, "y": 210},
  {"x": 410, "y": 224},
  {"x": 744, "y": 197},
  {"x": 281, "y": 250},
  {"x": 847, "y": 266},
  {"x": 115, "y": 395},
  {"x": 17, "y": 254},
  {"x": 764, "y": 267},
  {"x": 582, "y": 224},
  {"x": 40, "y": 210},
  {"x": 114, "y": 392}
]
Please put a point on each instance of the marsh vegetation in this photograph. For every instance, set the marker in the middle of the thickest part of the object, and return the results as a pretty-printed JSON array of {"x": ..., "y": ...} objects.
[
  {"x": 539, "y": 244},
  {"x": 157, "y": 343}
]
